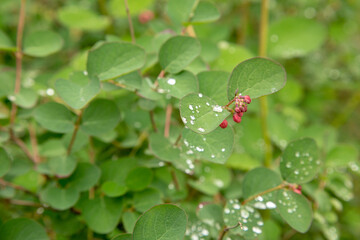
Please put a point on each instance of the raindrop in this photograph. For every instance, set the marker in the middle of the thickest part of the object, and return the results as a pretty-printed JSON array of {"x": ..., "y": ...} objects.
[
  {"x": 223, "y": 149},
  {"x": 260, "y": 223},
  {"x": 200, "y": 95},
  {"x": 245, "y": 228},
  {"x": 288, "y": 164},
  {"x": 226, "y": 211},
  {"x": 260, "y": 205},
  {"x": 50, "y": 91},
  {"x": 184, "y": 120},
  {"x": 244, "y": 213},
  {"x": 256, "y": 230},
  {"x": 296, "y": 172},
  {"x": 171, "y": 81},
  {"x": 191, "y": 107},
  {"x": 205, "y": 232},
  {"x": 192, "y": 117},
  {"x": 236, "y": 206},
  {"x": 217, "y": 108},
  {"x": 297, "y": 154},
  {"x": 201, "y": 129},
  {"x": 270, "y": 205}
]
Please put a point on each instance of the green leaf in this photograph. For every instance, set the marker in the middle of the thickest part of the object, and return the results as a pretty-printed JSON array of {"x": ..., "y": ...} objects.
[
  {"x": 214, "y": 85},
  {"x": 117, "y": 170},
  {"x": 100, "y": 116},
  {"x": 26, "y": 98},
  {"x": 165, "y": 221},
  {"x": 256, "y": 77},
  {"x": 42, "y": 43},
  {"x": 295, "y": 37},
  {"x": 299, "y": 162},
  {"x": 295, "y": 209},
  {"x": 102, "y": 214},
  {"x": 113, "y": 189},
  {"x": 259, "y": 180},
  {"x": 62, "y": 166},
  {"x": 113, "y": 59},
  {"x": 82, "y": 19},
  {"x": 179, "y": 11},
  {"x": 200, "y": 113},
  {"x": 230, "y": 56},
  {"x": 5, "y": 162},
  {"x": 163, "y": 148},
  {"x": 210, "y": 214},
  {"x": 31, "y": 180},
  {"x": 59, "y": 198},
  {"x": 54, "y": 117},
  {"x": 146, "y": 199},
  {"x": 211, "y": 178},
  {"x": 139, "y": 178},
  {"x": 342, "y": 155},
  {"x": 249, "y": 218},
  {"x": 78, "y": 90},
  {"x": 125, "y": 236},
  {"x": 85, "y": 176},
  {"x": 129, "y": 220},
  {"x": 205, "y": 12},
  {"x": 178, "y": 52},
  {"x": 6, "y": 43},
  {"x": 22, "y": 229},
  {"x": 179, "y": 85},
  {"x": 215, "y": 146}
]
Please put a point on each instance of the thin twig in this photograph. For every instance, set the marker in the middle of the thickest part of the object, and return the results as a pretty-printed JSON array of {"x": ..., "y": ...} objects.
[
  {"x": 76, "y": 128},
  {"x": 175, "y": 179},
  {"x": 178, "y": 140},
  {"x": 17, "y": 187},
  {"x": 263, "y": 32},
  {"x": 281, "y": 186},
  {"x": 23, "y": 146},
  {"x": 25, "y": 203},
  {"x": 167, "y": 120},
  {"x": 153, "y": 123},
  {"x": 130, "y": 21},
  {"x": 18, "y": 55},
  {"x": 34, "y": 143},
  {"x": 141, "y": 139},
  {"x": 226, "y": 229}
]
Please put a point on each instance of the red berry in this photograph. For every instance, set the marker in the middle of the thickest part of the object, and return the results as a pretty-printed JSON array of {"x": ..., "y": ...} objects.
[
  {"x": 236, "y": 118},
  {"x": 237, "y": 109},
  {"x": 224, "y": 124},
  {"x": 247, "y": 99},
  {"x": 240, "y": 114},
  {"x": 146, "y": 16}
]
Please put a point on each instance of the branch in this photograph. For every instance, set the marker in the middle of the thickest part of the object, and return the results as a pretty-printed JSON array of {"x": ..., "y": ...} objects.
[
  {"x": 153, "y": 123},
  {"x": 17, "y": 187},
  {"x": 34, "y": 143},
  {"x": 73, "y": 137},
  {"x": 130, "y": 21},
  {"x": 263, "y": 31},
  {"x": 18, "y": 55},
  {"x": 226, "y": 229},
  {"x": 23, "y": 146},
  {"x": 283, "y": 185}
]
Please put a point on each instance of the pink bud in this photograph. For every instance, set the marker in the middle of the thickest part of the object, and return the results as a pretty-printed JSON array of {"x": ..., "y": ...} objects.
[
  {"x": 247, "y": 99},
  {"x": 236, "y": 118}
]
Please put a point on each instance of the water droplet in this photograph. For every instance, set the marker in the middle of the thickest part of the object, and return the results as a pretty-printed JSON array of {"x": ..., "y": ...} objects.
[
  {"x": 219, "y": 183},
  {"x": 205, "y": 232},
  {"x": 192, "y": 122},
  {"x": 50, "y": 91},
  {"x": 184, "y": 119},
  {"x": 245, "y": 228},
  {"x": 297, "y": 154},
  {"x": 244, "y": 213},
  {"x": 201, "y": 129},
  {"x": 171, "y": 81},
  {"x": 217, "y": 108},
  {"x": 256, "y": 230},
  {"x": 191, "y": 107},
  {"x": 260, "y": 205},
  {"x": 192, "y": 117},
  {"x": 212, "y": 156},
  {"x": 208, "y": 104},
  {"x": 260, "y": 223},
  {"x": 270, "y": 205},
  {"x": 296, "y": 172},
  {"x": 259, "y": 198},
  {"x": 236, "y": 206},
  {"x": 223, "y": 149},
  {"x": 200, "y": 95},
  {"x": 226, "y": 211},
  {"x": 199, "y": 149},
  {"x": 288, "y": 165}
]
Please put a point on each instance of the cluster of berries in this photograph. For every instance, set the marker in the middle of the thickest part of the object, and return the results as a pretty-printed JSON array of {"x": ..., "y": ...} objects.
[{"x": 240, "y": 107}]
